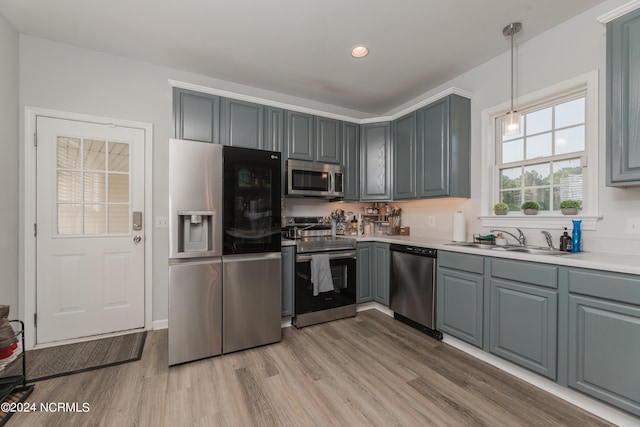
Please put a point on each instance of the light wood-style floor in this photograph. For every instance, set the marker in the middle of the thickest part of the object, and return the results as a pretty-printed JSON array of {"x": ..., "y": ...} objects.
[{"x": 366, "y": 371}]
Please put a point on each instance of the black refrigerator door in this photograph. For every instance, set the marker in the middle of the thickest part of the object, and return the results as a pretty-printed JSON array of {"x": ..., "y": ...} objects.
[{"x": 251, "y": 201}]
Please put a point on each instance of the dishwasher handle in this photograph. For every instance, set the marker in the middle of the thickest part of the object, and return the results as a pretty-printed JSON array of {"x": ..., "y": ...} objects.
[{"x": 415, "y": 250}]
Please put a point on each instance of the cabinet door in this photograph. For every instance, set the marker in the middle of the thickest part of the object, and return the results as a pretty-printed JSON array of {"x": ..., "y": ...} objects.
[
  {"x": 351, "y": 160},
  {"x": 274, "y": 129},
  {"x": 196, "y": 116},
  {"x": 328, "y": 140},
  {"x": 459, "y": 305},
  {"x": 381, "y": 263},
  {"x": 623, "y": 100},
  {"x": 242, "y": 124},
  {"x": 288, "y": 278},
  {"x": 404, "y": 157},
  {"x": 604, "y": 350},
  {"x": 433, "y": 149},
  {"x": 524, "y": 325},
  {"x": 364, "y": 278},
  {"x": 375, "y": 162},
  {"x": 300, "y": 141}
]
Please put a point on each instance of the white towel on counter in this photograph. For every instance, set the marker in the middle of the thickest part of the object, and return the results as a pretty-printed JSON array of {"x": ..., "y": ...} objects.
[{"x": 321, "y": 274}]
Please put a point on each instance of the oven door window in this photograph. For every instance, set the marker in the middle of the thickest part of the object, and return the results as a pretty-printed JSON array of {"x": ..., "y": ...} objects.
[
  {"x": 343, "y": 273},
  {"x": 309, "y": 180}
]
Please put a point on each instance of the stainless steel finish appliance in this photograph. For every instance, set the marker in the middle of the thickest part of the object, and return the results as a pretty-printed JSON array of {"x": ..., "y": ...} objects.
[
  {"x": 224, "y": 249},
  {"x": 412, "y": 288},
  {"x": 316, "y": 240},
  {"x": 313, "y": 179}
]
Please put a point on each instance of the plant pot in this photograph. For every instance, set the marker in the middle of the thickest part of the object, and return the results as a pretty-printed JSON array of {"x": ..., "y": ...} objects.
[
  {"x": 569, "y": 211},
  {"x": 531, "y": 211},
  {"x": 500, "y": 212}
]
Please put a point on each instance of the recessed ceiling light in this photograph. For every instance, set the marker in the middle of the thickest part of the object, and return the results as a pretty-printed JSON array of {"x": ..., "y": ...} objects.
[{"x": 359, "y": 51}]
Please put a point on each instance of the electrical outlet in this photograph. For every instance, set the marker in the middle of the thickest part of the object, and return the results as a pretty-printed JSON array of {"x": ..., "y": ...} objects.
[
  {"x": 162, "y": 222},
  {"x": 633, "y": 225},
  {"x": 431, "y": 221}
]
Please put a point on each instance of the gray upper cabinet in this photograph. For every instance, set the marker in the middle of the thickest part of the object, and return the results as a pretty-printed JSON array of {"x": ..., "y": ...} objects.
[
  {"x": 623, "y": 100},
  {"x": 375, "y": 162},
  {"x": 404, "y": 157},
  {"x": 328, "y": 141},
  {"x": 196, "y": 116},
  {"x": 274, "y": 129},
  {"x": 443, "y": 148},
  {"x": 242, "y": 124},
  {"x": 351, "y": 160},
  {"x": 459, "y": 309},
  {"x": 300, "y": 135}
]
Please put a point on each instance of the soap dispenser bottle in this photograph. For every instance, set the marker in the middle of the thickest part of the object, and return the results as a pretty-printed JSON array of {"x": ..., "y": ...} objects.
[{"x": 565, "y": 241}]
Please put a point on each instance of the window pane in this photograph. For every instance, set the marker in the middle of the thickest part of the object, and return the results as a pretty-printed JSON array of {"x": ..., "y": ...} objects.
[
  {"x": 570, "y": 140},
  {"x": 539, "y": 146},
  {"x": 536, "y": 175},
  {"x": 94, "y": 187},
  {"x": 512, "y": 198},
  {"x": 510, "y": 178},
  {"x": 539, "y": 121},
  {"x": 512, "y": 151},
  {"x": 570, "y": 113},
  {"x": 118, "y": 157},
  {"x": 94, "y": 155},
  {"x": 540, "y": 195},
  {"x": 68, "y": 153},
  {"x": 69, "y": 219},
  {"x": 69, "y": 186},
  {"x": 118, "y": 219},
  {"x": 567, "y": 177},
  {"x": 95, "y": 219},
  {"x": 118, "y": 188}
]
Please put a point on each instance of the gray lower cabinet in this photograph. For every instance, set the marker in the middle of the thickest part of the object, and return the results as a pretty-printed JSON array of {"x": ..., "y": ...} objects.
[
  {"x": 300, "y": 135},
  {"x": 404, "y": 157},
  {"x": 373, "y": 272},
  {"x": 604, "y": 337},
  {"x": 623, "y": 104},
  {"x": 242, "y": 124},
  {"x": 460, "y": 289},
  {"x": 196, "y": 116},
  {"x": 351, "y": 160},
  {"x": 288, "y": 279},
  {"x": 375, "y": 162},
  {"x": 364, "y": 278},
  {"x": 443, "y": 148},
  {"x": 524, "y": 314},
  {"x": 328, "y": 142}
]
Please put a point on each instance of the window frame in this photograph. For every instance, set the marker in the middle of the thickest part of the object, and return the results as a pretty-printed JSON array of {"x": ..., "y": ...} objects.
[{"x": 586, "y": 83}]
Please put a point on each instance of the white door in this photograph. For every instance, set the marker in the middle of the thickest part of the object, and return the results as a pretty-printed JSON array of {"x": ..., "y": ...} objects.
[{"x": 90, "y": 254}]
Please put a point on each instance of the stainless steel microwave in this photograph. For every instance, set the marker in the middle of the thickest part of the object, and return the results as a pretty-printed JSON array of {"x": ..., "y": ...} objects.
[{"x": 312, "y": 179}]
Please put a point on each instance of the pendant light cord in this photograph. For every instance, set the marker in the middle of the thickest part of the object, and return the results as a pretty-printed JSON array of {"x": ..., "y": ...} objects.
[{"x": 512, "y": 83}]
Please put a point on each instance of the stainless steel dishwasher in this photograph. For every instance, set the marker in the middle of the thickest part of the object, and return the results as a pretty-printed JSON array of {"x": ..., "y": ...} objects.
[{"x": 412, "y": 287}]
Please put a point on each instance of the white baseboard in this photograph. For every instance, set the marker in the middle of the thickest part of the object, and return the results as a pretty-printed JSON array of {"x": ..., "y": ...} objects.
[{"x": 160, "y": 324}]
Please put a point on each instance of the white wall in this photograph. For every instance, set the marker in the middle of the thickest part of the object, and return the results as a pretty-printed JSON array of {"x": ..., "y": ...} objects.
[
  {"x": 9, "y": 143},
  {"x": 63, "y": 77}
]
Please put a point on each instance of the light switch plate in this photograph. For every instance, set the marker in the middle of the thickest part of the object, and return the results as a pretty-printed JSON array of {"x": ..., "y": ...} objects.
[
  {"x": 633, "y": 225},
  {"x": 162, "y": 222}
]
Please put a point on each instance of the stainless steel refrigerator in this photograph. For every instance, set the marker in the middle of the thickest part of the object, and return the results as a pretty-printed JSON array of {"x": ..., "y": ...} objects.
[{"x": 224, "y": 249}]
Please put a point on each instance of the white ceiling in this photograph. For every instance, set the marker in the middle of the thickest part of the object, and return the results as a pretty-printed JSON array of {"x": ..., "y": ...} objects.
[{"x": 300, "y": 47}]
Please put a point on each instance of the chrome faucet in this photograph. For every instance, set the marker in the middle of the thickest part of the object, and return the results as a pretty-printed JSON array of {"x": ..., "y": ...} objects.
[
  {"x": 547, "y": 236},
  {"x": 520, "y": 239}
]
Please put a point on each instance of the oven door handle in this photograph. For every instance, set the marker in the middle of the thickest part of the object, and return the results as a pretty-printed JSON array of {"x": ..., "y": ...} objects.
[{"x": 332, "y": 255}]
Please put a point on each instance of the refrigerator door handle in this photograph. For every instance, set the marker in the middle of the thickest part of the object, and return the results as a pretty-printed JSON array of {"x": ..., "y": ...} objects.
[{"x": 251, "y": 257}]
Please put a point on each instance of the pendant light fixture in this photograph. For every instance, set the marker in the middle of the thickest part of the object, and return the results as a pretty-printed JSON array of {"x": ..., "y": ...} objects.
[{"x": 512, "y": 118}]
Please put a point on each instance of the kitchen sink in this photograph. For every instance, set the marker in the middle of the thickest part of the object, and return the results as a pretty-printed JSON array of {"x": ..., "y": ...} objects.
[{"x": 534, "y": 250}]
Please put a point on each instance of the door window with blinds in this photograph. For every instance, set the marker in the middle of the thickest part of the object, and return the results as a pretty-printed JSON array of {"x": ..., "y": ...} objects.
[
  {"x": 93, "y": 187},
  {"x": 543, "y": 163}
]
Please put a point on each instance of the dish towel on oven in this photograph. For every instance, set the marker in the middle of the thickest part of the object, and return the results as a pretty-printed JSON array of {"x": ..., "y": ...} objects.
[{"x": 321, "y": 274}]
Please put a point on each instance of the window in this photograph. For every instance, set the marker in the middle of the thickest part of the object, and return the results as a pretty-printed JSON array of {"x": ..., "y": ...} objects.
[
  {"x": 542, "y": 163},
  {"x": 553, "y": 158}
]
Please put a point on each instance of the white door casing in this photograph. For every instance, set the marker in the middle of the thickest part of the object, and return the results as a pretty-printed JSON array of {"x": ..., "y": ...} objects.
[{"x": 89, "y": 273}]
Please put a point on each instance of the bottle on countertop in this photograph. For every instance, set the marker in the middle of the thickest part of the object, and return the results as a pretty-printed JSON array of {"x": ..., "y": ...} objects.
[
  {"x": 576, "y": 236},
  {"x": 565, "y": 241}
]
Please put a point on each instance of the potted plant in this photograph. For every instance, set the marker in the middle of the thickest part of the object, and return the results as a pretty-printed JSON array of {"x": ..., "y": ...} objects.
[
  {"x": 530, "y": 208},
  {"x": 569, "y": 207},
  {"x": 500, "y": 208}
]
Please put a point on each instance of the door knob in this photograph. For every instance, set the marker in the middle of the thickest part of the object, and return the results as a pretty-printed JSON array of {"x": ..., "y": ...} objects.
[{"x": 137, "y": 239}]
